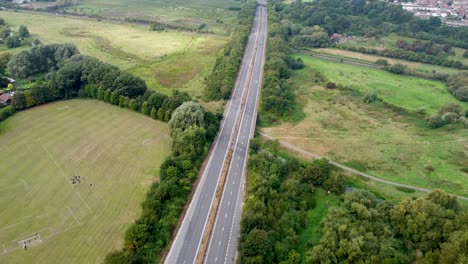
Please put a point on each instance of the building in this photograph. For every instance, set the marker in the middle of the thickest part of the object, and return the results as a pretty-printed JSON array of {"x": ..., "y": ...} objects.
[{"x": 5, "y": 98}]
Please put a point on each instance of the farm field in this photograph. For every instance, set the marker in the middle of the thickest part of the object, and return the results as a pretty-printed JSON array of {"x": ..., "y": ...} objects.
[
  {"x": 117, "y": 154},
  {"x": 157, "y": 57},
  {"x": 422, "y": 68},
  {"x": 413, "y": 94},
  {"x": 372, "y": 138},
  {"x": 215, "y": 15}
]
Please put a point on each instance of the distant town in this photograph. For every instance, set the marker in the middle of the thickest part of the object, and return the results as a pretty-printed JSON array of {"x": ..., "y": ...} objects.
[{"x": 451, "y": 12}]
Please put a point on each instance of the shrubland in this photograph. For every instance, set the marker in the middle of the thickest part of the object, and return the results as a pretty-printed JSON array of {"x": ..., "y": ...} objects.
[{"x": 364, "y": 228}]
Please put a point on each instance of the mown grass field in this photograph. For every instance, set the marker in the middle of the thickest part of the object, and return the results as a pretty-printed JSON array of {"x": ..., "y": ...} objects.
[
  {"x": 372, "y": 138},
  {"x": 188, "y": 13},
  {"x": 413, "y": 94},
  {"x": 426, "y": 69},
  {"x": 117, "y": 154},
  {"x": 166, "y": 60}
]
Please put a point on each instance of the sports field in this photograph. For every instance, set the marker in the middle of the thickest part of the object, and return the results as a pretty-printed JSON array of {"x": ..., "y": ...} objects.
[
  {"x": 73, "y": 175},
  {"x": 165, "y": 60},
  {"x": 372, "y": 138}
]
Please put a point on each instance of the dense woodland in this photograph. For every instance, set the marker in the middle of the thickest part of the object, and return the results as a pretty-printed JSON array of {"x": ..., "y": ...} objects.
[{"x": 364, "y": 229}]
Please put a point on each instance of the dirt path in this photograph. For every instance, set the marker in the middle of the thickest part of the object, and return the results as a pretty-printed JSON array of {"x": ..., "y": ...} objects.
[{"x": 346, "y": 168}]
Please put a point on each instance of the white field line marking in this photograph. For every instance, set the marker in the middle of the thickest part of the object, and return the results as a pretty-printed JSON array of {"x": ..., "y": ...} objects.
[
  {"x": 65, "y": 177},
  {"x": 146, "y": 141},
  {"x": 71, "y": 212}
]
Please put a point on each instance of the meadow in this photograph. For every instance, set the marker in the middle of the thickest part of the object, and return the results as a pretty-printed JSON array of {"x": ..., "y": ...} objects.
[
  {"x": 373, "y": 138},
  {"x": 164, "y": 59},
  {"x": 389, "y": 42},
  {"x": 214, "y": 15},
  {"x": 421, "y": 68},
  {"x": 117, "y": 154},
  {"x": 410, "y": 93}
]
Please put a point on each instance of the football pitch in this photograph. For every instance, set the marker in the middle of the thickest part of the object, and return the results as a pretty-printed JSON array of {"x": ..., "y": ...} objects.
[{"x": 72, "y": 177}]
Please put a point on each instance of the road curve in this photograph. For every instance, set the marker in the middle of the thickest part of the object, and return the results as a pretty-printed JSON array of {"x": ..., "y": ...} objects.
[
  {"x": 346, "y": 168},
  {"x": 186, "y": 244}
]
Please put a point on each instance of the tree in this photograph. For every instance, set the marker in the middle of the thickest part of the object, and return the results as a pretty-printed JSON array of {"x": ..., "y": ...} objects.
[
  {"x": 23, "y": 31},
  {"x": 317, "y": 172},
  {"x": 19, "y": 101},
  {"x": 5, "y": 32},
  {"x": 421, "y": 222},
  {"x": 465, "y": 54},
  {"x": 189, "y": 114},
  {"x": 13, "y": 42},
  {"x": 4, "y": 59},
  {"x": 397, "y": 68}
]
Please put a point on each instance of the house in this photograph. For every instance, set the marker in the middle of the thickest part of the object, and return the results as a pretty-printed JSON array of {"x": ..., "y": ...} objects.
[{"x": 5, "y": 98}]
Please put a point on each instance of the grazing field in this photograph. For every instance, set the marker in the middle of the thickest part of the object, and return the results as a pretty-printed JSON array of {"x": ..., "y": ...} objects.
[
  {"x": 413, "y": 94},
  {"x": 389, "y": 42},
  {"x": 74, "y": 173},
  {"x": 422, "y": 68},
  {"x": 372, "y": 138},
  {"x": 214, "y": 14},
  {"x": 166, "y": 60}
]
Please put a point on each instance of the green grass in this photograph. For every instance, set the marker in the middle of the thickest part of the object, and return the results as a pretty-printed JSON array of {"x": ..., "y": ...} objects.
[
  {"x": 118, "y": 151},
  {"x": 188, "y": 13},
  {"x": 413, "y": 94},
  {"x": 339, "y": 126},
  {"x": 148, "y": 54},
  {"x": 389, "y": 42},
  {"x": 311, "y": 233},
  {"x": 418, "y": 68}
]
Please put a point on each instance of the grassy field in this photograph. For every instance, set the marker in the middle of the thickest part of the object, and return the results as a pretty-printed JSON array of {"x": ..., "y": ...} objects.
[
  {"x": 166, "y": 60},
  {"x": 413, "y": 94},
  {"x": 389, "y": 42},
  {"x": 371, "y": 138},
  {"x": 311, "y": 234},
  {"x": 215, "y": 14},
  {"x": 426, "y": 69},
  {"x": 117, "y": 154}
]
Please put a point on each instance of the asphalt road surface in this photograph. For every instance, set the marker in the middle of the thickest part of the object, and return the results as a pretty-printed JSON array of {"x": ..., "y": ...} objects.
[{"x": 185, "y": 247}]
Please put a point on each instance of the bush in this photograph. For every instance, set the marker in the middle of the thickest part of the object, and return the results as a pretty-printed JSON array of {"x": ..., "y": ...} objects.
[
  {"x": 382, "y": 62},
  {"x": 371, "y": 97},
  {"x": 13, "y": 42},
  {"x": 331, "y": 85},
  {"x": 397, "y": 68}
]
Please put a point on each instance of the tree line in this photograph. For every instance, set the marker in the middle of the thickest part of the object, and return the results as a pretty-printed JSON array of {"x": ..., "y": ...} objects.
[
  {"x": 409, "y": 55},
  {"x": 220, "y": 82},
  {"x": 278, "y": 99},
  {"x": 363, "y": 229},
  {"x": 151, "y": 233}
]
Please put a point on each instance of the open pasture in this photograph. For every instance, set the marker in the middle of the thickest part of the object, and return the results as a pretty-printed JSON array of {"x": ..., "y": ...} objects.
[
  {"x": 214, "y": 14},
  {"x": 372, "y": 138},
  {"x": 73, "y": 175},
  {"x": 410, "y": 93},
  {"x": 150, "y": 55}
]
